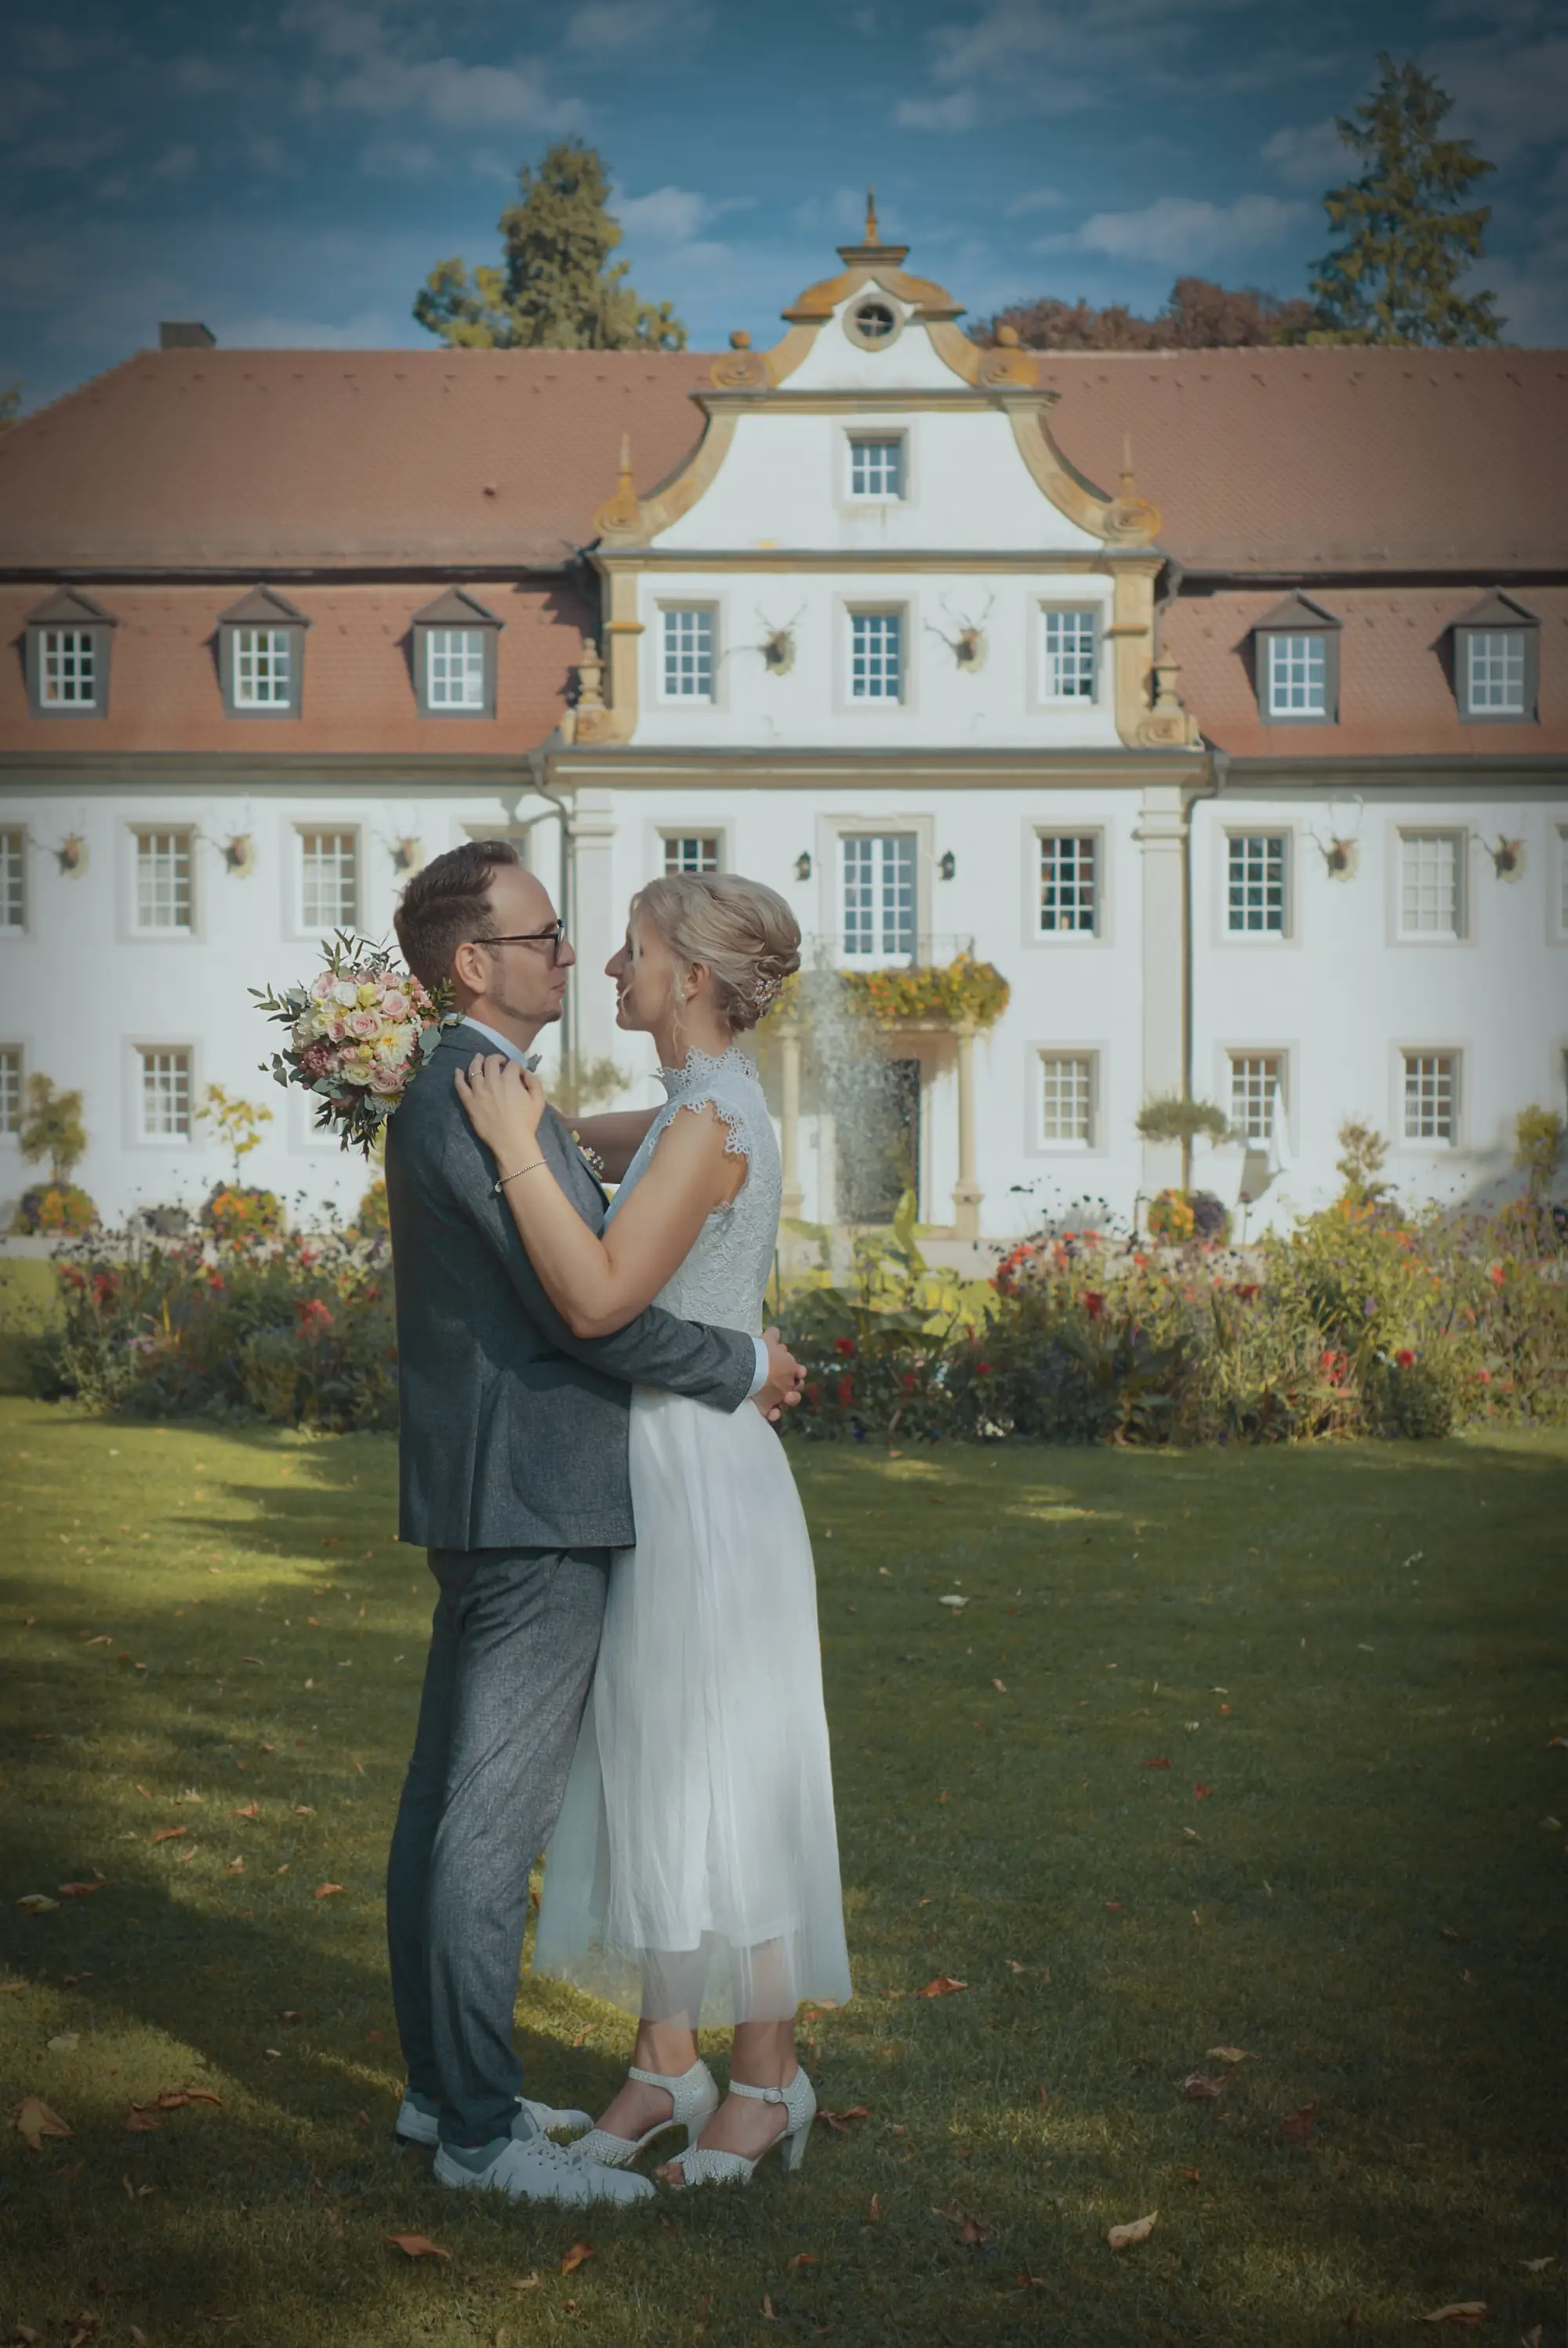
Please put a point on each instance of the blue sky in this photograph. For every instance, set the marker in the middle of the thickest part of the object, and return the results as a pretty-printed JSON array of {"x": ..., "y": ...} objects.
[{"x": 289, "y": 171}]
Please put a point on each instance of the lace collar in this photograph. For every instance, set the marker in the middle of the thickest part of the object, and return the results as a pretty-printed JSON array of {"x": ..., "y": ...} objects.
[{"x": 701, "y": 1066}]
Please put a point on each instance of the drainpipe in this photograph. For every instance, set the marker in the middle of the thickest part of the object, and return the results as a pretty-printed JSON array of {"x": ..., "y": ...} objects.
[{"x": 565, "y": 892}]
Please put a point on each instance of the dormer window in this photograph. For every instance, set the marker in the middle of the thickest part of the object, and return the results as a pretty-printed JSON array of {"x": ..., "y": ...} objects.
[
  {"x": 68, "y": 642},
  {"x": 1497, "y": 651},
  {"x": 456, "y": 641},
  {"x": 261, "y": 655},
  {"x": 877, "y": 467},
  {"x": 1297, "y": 655},
  {"x": 872, "y": 324}
]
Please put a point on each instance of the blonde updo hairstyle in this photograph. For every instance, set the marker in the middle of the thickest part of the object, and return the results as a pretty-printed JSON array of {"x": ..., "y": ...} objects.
[{"x": 742, "y": 928}]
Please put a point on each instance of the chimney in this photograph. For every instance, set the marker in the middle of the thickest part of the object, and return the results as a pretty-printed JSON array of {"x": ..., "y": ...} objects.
[{"x": 185, "y": 335}]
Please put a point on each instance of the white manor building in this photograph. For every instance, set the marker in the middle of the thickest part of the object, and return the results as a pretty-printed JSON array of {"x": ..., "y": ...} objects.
[{"x": 1250, "y": 775}]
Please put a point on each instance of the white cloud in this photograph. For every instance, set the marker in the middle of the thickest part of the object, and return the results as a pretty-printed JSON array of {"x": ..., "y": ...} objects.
[
  {"x": 959, "y": 110},
  {"x": 280, "y": 330},
  {"x": 176, "y": 162},
  {"x": 1182, "y": 230},
  {"x": 456, "y": 95},
  {"x": 1313, "y": 156},
  {"x": 397, "y": 159},
  {"x": 839, "y": 213},
  {"x": 599, "y": 26},
  {"x": 1036, "y": 200},
  {"x": 1506, "y": 98},
  {"x": 665, "y": 216}
]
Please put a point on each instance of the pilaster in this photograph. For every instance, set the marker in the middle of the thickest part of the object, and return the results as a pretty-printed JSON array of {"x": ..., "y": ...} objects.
[{"x": 1163, "y": 838}]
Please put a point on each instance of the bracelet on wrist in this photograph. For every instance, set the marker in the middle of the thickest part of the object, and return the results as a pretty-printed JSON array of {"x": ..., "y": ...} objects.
[{"x": 532, "y": 1167}]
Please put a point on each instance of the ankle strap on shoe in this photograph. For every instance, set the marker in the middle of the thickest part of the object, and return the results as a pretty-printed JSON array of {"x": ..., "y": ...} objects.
[
  {"x": 760, "y": 2095},
  {"x": 661, "y": 2078}
]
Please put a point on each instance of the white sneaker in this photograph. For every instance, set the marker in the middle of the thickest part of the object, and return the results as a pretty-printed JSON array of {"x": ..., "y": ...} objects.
[
  {"x": 417, "y": 2121},
  {"x": 532, "y": 2168}
]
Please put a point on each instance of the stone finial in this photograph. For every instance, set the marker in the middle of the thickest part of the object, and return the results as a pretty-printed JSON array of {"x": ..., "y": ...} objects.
[
  {"x": 621, "y": 513},
  {"x": 872, "y": 234},
  {"x": 739, "y": 340},
  {"x": 590, "y": 671},
  {"x": 1130, "y": 515},
  {"x": 1007, "y": 337}
]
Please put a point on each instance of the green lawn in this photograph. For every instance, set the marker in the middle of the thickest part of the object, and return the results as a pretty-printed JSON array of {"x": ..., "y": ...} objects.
[{"x": 215, "y": 1646}]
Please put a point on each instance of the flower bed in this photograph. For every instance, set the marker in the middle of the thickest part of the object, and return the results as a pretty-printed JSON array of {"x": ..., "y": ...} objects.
[{"x": 49, "y": 1207}]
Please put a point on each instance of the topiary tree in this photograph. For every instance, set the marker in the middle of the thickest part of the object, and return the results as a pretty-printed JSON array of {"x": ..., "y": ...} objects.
[
  {"x": 237, "y": 1123},
  {"x": 1362, "y": 1150},
  {"x": 1173, "y": 1116},
  {"x": 1538, "y": 1149},
  {"x": 52, "y": 1128}
]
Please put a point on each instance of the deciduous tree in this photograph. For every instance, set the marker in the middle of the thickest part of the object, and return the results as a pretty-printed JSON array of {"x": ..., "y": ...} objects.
[
  {"x": 1199, "y": 317},
  {"x": 556, "y": 289}
]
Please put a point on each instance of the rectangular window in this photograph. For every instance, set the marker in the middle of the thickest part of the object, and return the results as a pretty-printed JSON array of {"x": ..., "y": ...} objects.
[
  {"x": 1298, "y": 675},
  {"x": 1254, "y": 877},
  {"x": 12, "y": 881},
  {"x": 1257, "y": 1086},
  {"x": 1432, "y": 1098},
  {"x": 1494, "y": 671},
  {"x": 1067, "y": 1099},
  {"x": 328, "y": 881},
  {"x": 10, "y": 1088},
  {"x": 163, "y": 882},
  {"x": 455, "y": 668},
  {"x": 686, "y": 654},
  {"x": 876, "y": 656},
  {"x": 1068, "y": 883},
  {"x": 1068, "y": 665},
  {"x": 1431, "y": 874},
  {"x": 165, "y": 1092},
  {"x": 687, "y": 851},
  {"x": 877, "y": 468},
  {"x": 67, "y": 673},
  {"x": 263, "y": 666},
  {"x": 878, "y": 875}
]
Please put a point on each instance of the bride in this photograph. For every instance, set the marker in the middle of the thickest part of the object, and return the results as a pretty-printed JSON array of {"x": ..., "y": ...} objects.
[{"x": 692, "y": 1877}]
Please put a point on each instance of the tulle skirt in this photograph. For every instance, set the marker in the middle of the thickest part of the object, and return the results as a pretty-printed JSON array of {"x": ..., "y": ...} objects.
[{"x": 693, "y": 1873}]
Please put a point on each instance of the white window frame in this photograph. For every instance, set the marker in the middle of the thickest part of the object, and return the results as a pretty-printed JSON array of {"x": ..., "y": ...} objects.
[
  {"x": 899, "y": 615},
  {"x": 1236, "y": 1055},
  {"x": 673, "y": 608},
  {"x": 890, "y": 436},
  {"x": 13, "y": 879},
  {"x": 271, "y": 705},
  {"x": 1055, "y": 1145},
  {"x": 1407, "y": 836},
  {"x": 1234, "y": 832},
  {"x": 140, "y": 1136},
  {"x": 1095, "y": 836},
  {"x": 52, "y": 648},
  {"x": 1275, "y": 644},
  {"x": 1515, "y": 654},
  {"x": 323, "y": 829},
  {"x": 1427, "y": 1146},
  {"x": 691, "y": 835},
  {"x": 13, "y": 1049},
  {"x": 169, "y": 931},
  {"x": 475, "y": 704},
  {"x": 1057, "y": 607},
  {"x": 849, "y": 851}
]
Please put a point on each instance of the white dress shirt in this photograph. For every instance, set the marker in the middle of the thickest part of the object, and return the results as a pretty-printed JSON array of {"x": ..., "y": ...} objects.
[{"x": 504, "y": 1043}]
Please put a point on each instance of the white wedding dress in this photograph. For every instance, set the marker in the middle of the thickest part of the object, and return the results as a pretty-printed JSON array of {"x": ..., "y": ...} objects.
[{"x": 694, "y": 1869}]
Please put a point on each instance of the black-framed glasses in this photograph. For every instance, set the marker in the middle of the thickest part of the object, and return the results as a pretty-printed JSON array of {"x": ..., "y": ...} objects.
[{"x": 552, "y": 938}]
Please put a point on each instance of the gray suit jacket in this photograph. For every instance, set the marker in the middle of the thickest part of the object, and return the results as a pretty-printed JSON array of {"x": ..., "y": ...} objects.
[{"x": 512, "y": 1432}]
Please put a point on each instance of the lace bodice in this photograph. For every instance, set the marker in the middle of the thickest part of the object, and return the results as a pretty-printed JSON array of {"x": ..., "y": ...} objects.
[{"x": 722, "y": 1279}]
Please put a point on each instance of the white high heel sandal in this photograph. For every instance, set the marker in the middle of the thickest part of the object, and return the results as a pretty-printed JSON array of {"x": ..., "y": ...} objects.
[
  {"x": 702, "y": 2165},
  {"x": 695, "y": 2097}
]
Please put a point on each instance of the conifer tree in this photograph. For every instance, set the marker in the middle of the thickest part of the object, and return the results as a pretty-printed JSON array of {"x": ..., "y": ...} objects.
[
  {"x": 556, "y": 289},
  {"x": 1405, "y": 239}
]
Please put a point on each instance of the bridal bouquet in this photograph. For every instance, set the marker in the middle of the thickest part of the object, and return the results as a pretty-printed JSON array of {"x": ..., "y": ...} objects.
[{"x": 359, "y": 1034}]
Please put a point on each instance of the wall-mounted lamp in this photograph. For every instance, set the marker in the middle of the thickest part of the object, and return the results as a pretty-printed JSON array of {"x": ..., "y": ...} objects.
[
  {"x": 947, "y": 865},
  {"x": 802, "y": 866}
]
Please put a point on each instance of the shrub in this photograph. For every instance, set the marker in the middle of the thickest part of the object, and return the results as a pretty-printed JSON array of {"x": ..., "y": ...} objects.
[
  {"x": 1171, "y": 1217},
  {"x": 370, "y": 1219},
  {"x": 234, "y": 1211},
  {"x": 49, "y": 1207},
  {"x": 1211, "y": 1217}
]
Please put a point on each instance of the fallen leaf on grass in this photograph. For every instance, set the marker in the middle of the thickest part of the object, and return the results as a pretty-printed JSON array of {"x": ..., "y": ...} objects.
[
  {"x": 102, "y": 1639},
  {"x": 1190, "y": 2174},
  {"x": 957, "y": 1604},
  {"x": 13, "y": 1989},
  {"x": 768, "y": 2315},
  {"x": 1202, "y": 1793},
  {"x": 874, "y": 2211},
  {"x": 1458, "y": 2311},
  {"x": 943, "y": 1986},
  {"x": 290, "y": 2014},
  {"x": 578, "y": 2255},
  {"x": 1450, "y": 1935},
  {"x": 36, "y": 1903},
  {"x": 64, "y": 2043},
  {"x": 801, "y": 2259},
  {"x": 35, "y": 2121},
  {"x": 170, "y": 1834},
  {"x": 1297, "y": 2126},
  {"x": 839, "y": 2121},
  {"x": 1000, "y": 1686},
  {"x": 82, "y": 1891},
  {"x": 1230, "y": 2054},
  {"x": 24, "y": 2334},
  {"x": 417, "y": 2246},
  {"x": 325, "y": 1890},
  {"x": 251, "y": 1810},
  {"x": 139, "y": 2120},
  {"x": 1199, "y": 2087},
  {"x": 1538, "y": 2266},
  {"x": 1138, "y": 2229},
  {"x": 1160, "y": 1762}
]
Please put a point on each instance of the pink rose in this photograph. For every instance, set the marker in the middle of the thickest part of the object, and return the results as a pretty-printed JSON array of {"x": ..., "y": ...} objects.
[
  {"x": 395, "y": 1004},
  {"x": 323, "y": 987},
  {"x": 338, "y": 1030},
  {"x": 385, "y": 1080},
  {"x": 364, "y": 1023},
  {"x": 316, "y": 1059}
]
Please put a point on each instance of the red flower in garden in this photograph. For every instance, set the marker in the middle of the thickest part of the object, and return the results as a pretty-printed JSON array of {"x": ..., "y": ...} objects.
[
  {"x": 1141, "y": 1260},
  {"x": 982, "y": 1369},
  {"x": 1335, "y": 1367},
  {"x": 1497, "y": 1275},
  {"x": 1484, "y": 1376},
  {"x": 104, "y": 1286},
  {"x": 845, "y": 1391},
  {"x": 813, "y": 1394},
  {"x": 845, "y": 1345},
  {"x": 1247, "y": 1291},
  {"x": 1405, "y": 1358},
  {"x": 1094, "y": 1303},
  {"x": 911, "y": 1382},
  {"x": 313, "y": 1315},
  {"x": 215, "y": 1282}
]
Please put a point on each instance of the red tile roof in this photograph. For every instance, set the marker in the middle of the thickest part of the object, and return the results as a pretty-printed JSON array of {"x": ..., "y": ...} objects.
[{"x": 1260, "y": 460}]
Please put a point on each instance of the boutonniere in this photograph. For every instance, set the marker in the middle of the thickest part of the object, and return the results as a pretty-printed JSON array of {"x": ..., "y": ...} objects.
[{"x": 590, "y": 1157}]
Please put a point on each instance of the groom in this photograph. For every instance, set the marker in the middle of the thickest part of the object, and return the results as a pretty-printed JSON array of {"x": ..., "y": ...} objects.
[{"x": 513, "y": 1474}]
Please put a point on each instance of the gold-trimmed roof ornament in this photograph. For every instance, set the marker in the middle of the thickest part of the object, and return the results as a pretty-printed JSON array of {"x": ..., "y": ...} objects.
[
  {"x": 1131, "y": 516},
  {"x": 621, "y": 514}
]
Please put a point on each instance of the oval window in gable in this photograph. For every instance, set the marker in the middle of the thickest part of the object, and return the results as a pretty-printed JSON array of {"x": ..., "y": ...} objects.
[{"x": 872, "y": 324}]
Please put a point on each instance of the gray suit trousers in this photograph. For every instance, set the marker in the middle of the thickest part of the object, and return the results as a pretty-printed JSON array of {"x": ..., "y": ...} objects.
[{"x": 512, "y": 1649}]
